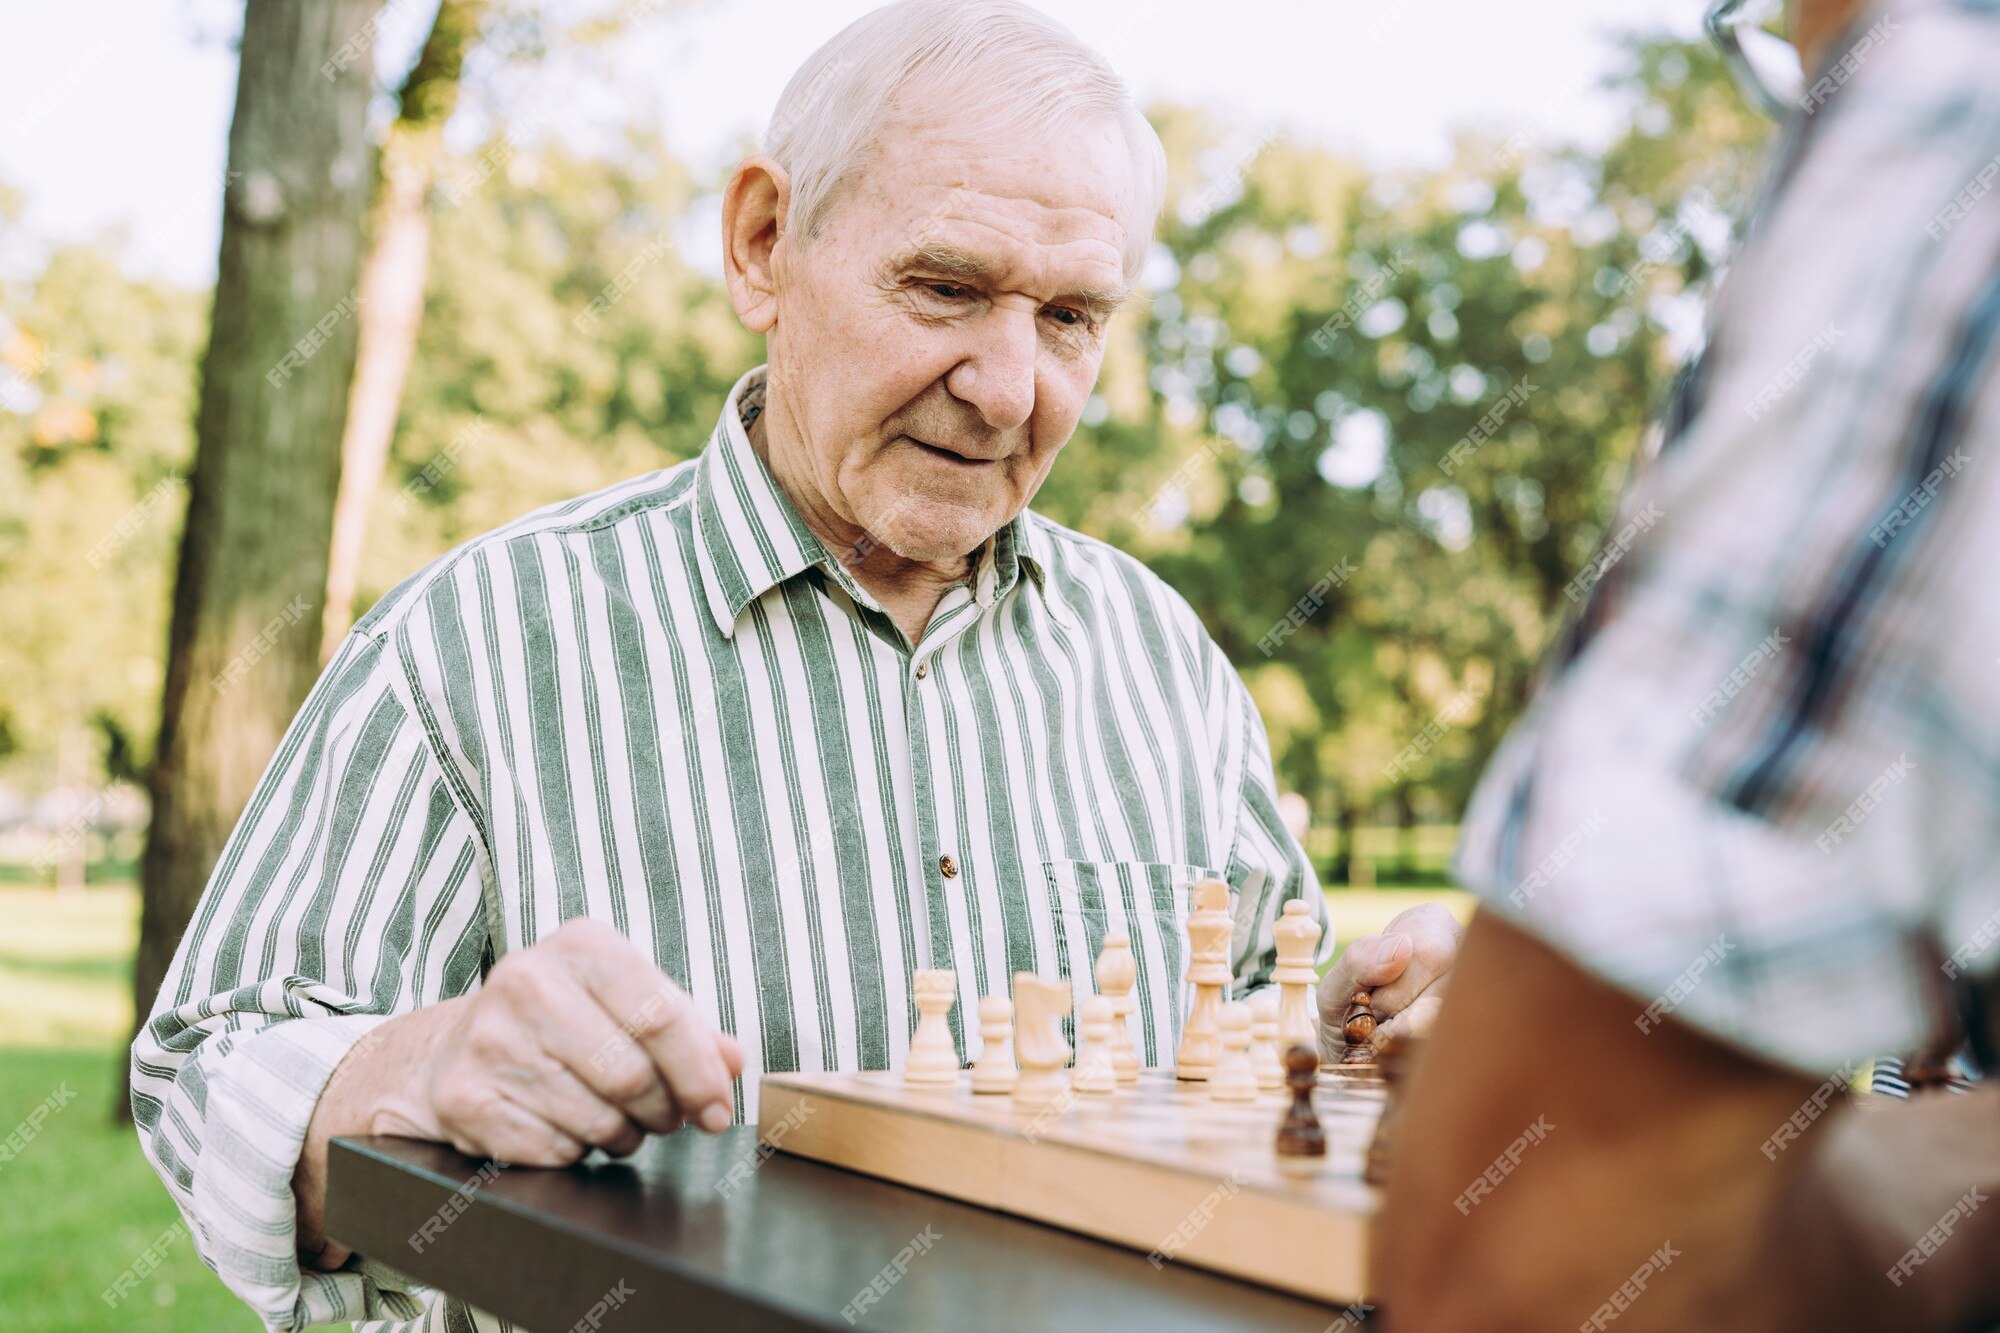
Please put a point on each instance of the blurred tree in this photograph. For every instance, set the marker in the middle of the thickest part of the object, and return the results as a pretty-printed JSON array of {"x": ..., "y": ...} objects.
[
  {"x": 96, "y": 428},
  {"x": 274, "y": 386},
  {"x": 391, "y": 293},
  {"x": 567, "y": 344}
]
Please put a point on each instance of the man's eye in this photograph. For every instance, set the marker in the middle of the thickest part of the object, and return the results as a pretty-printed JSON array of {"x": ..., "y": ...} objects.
[
  {"x": 1069, "y": 318},
  {"x": 949, "y": 291}
]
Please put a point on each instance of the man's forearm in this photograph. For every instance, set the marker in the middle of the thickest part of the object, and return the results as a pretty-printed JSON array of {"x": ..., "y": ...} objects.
[
  {"x": 372, "y": 1092},
  {"x": 1890, "y": 1226},
  {"x": 1549, "y": 1152}
]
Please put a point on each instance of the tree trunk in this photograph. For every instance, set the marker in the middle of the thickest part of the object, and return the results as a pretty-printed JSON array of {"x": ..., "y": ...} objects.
[
  {"x": 73, "y": 781},
  {"x": 392, "y": 296},
  {"x": 1344, "y": 850},
  {"x": 1406, "y": 837},
  {"x": 267, "y": 445}
]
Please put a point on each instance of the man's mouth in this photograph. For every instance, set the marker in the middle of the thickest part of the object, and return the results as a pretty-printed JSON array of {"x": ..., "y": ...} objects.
[{"x": 951, "y": 456}]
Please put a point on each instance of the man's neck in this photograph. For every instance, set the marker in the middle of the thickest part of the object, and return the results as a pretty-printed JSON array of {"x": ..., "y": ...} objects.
[{"x": 909, "y": 590}]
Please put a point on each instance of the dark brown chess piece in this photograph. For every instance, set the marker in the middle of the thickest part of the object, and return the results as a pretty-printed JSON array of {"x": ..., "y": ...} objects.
[
  {"x": 1926, "y": 1075},
  {"x": 1301, "y": 1141},
  {"x": 1394, "y": 1057},
  {"x": 1357, "y": 1028}
]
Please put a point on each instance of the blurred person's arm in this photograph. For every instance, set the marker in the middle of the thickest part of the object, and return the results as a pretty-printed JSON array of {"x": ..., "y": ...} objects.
[
  {"x": 1888, "y": 1227},
  {"x": 1726, "y": 854},
  {"x": 1558, "y": 1164}
]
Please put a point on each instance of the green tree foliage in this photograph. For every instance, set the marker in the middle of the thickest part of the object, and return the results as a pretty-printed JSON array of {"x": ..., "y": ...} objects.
[
  {"x": 1424, "y": 389},
  {"x": 97, "y": 399}
]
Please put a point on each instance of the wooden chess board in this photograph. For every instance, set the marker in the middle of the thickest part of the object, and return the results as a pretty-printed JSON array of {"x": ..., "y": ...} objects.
[{"x": 1156, "y": 1166}]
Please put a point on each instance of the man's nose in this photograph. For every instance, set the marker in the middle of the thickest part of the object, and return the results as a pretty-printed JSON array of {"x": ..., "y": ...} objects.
[{"x": 997, "y": 376}]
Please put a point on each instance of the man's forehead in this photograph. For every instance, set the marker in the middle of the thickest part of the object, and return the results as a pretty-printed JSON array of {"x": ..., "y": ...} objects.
[
  {"x": 979, "y": 243},
  {"x": 1064, "y": 206},
  {"x": 1091, "y": 166}
]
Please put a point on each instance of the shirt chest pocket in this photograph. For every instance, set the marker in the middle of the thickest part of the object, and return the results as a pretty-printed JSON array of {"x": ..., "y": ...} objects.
[{"x": 1148, "y": 900}]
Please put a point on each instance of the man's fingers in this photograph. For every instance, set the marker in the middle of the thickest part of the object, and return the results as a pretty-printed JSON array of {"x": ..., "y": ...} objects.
[
  {"x": 1369, "y": 962},
  {"x": 732, "y": 1053},
  {"x": 658, "y": 1015},
  {"x": 575, "y": 1030},
  {"x": 1433, "y": 936},
  {"x": 562, "y": 1099},
  {"x": 1385, "y": 961},
  {"x": 1407, "y": 961},
  {"x": 506, "y": 1131},
  {"x": 1415, "y": 1019}
]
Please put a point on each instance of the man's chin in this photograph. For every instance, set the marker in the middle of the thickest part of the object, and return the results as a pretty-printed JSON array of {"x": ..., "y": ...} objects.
[{"x": 932, "y": 530}]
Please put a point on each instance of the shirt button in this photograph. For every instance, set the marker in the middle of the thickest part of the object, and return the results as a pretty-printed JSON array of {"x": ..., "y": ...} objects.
[
  {"x": 923, "y": 669},
  {"x": 947, "y": 867}
]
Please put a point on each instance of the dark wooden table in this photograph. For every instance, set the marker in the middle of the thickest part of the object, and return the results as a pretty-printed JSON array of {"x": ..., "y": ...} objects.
[{"x": 701, "y": 1233}]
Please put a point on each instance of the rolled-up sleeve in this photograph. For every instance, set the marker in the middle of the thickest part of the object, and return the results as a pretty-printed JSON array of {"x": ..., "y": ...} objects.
[{"x": 351, "y": 890}]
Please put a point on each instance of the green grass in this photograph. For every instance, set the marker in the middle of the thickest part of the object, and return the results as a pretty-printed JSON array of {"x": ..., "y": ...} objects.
[
  {"x": 79, "y": 1204},
  {"x": 66, "y": 968}
]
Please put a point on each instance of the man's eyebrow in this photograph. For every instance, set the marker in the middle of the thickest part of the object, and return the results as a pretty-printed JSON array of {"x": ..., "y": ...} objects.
[{"x": 1099, "y": 302}]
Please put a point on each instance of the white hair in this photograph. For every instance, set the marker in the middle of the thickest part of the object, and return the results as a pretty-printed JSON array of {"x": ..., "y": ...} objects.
[{"x": 998, "y": 65}]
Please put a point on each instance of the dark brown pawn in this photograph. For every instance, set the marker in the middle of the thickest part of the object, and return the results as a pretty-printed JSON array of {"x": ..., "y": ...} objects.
[
  {"x": 1358, "y": 1029},
  {"x": 1300, "y": 1135},
  {"x": 1399, "y": 1051}
]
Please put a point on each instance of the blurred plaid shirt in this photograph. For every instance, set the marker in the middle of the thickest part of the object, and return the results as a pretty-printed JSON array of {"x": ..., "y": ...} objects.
[{"x": 1760, "y": 786}]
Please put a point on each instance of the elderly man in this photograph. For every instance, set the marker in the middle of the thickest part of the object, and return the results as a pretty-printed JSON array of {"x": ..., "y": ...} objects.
[{"x": 602, "y": 814}]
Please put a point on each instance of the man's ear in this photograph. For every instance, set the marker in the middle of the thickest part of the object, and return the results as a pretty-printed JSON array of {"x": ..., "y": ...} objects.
[{"x": 753, "y": 227}]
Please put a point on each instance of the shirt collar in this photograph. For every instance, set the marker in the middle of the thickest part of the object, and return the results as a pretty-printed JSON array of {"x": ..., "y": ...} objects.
[{"x": 751, "y": 539}]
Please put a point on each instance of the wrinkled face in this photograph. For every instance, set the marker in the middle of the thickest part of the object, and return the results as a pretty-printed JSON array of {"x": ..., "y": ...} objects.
[{"x": 935, "y": 344}]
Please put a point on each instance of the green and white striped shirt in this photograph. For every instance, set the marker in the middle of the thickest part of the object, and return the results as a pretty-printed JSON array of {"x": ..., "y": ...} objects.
[{"x": 667, "y": 706}]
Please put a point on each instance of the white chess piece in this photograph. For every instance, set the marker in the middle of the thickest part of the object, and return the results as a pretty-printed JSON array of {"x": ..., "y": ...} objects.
[
  {"x": 1095, "y": 1070},
  {"x": 1264, "y": 1061},
  {"x": 933, "y": 1059},
  {"x": 1297, "y": 936},
  {"x": 1232, "y": 1079},
  {"x": 994, "y": 1071},
  {"x": 1208, "y": 929},
  {"x": 1039, "y": 1047},
  {"x": 1117, "y": 973}
]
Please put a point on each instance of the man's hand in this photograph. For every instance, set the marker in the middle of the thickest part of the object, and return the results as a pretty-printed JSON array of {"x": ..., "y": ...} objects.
[
  {"x": 1404, "y": 966},
  {"x": 574, "y": 1043},
  {"x": 577, "y": 1042}
]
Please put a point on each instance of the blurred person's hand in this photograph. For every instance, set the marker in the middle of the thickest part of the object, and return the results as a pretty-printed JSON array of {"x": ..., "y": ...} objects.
[{"x": 1404, "y": 968}]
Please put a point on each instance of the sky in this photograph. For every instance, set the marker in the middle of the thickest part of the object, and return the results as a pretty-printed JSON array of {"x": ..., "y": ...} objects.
[{"x": 114, "y": 114}]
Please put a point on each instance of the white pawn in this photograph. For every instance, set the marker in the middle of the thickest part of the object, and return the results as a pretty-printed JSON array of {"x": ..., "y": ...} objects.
[
  {"x": 995, "y": 1070},
  {"x": 1095, "y": 1070},
  {"x": 1232, "y": 1079},
  {"x": 1117, "y": 973},
  {"x": 1264, "y": 1061},
  {"x": 933, "y": 1059}
]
